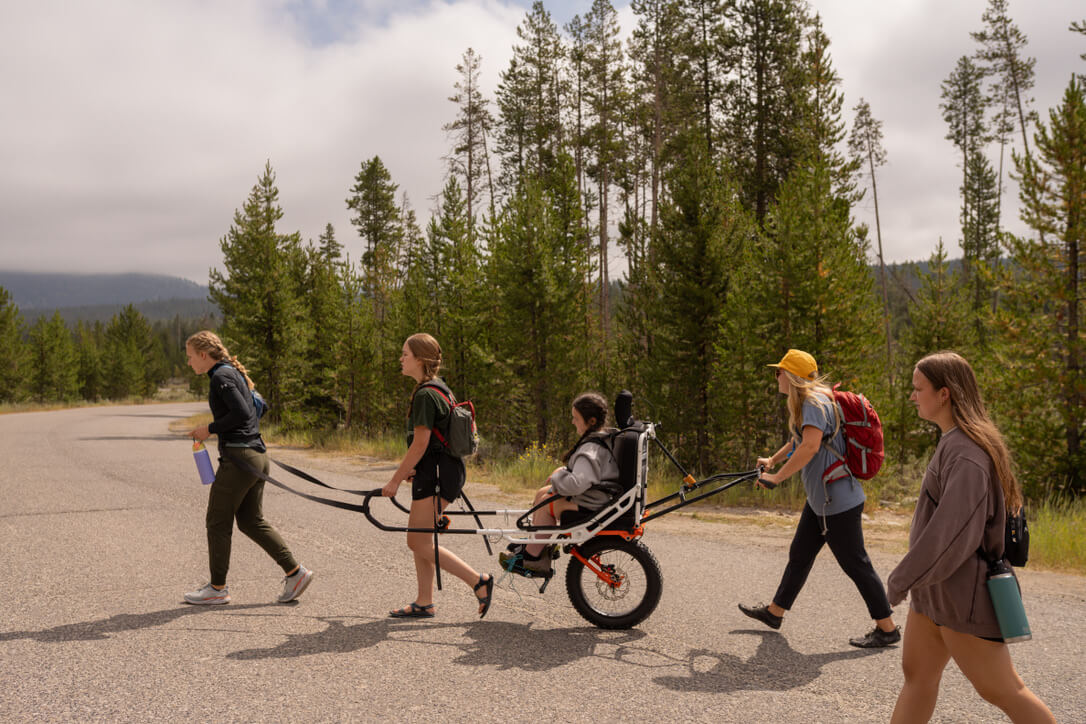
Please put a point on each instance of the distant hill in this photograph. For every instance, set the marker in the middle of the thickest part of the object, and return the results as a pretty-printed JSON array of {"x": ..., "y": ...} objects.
[
  {"x": 34, "y": 291},
  {"x": 97, "y": 297}
]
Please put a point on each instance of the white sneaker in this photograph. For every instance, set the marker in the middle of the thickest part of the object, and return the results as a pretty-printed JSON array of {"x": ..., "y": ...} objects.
[
  {"x": 294, "y": 586},
  {"x": 208, "y": 595}
]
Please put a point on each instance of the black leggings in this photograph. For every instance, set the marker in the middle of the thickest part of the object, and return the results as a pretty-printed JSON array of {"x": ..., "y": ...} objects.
[{"x": 846, "y": 540}]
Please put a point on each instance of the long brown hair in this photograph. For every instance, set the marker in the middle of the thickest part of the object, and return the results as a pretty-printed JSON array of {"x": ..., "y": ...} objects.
[
  {"x": 209, "y": 342},
  {"x": 951, "y": 371}
]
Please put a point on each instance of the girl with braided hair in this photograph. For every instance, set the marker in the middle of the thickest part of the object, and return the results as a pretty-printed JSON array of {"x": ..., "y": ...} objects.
[
  {"x": 436, "y": 478},
  {"x": 236, "y": 493}
]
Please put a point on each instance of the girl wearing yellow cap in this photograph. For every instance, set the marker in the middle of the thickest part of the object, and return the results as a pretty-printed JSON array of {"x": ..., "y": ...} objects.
[{"x": 833, "y": 512}]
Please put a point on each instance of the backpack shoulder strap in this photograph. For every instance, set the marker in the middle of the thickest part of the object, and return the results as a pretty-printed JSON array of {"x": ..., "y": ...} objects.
[{"x": 441, "y": 388}]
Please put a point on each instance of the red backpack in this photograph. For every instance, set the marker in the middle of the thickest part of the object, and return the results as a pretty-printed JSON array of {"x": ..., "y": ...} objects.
[{"x": 863, "y": 438}]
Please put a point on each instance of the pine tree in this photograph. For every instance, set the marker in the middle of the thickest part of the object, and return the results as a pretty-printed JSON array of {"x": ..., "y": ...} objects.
[
  {"x": 702, "y": 231},
  {"x": 132, "y": 362},
  {"x": 534, "y": 89},
  {"x": 456, "y": 284},
  {"x": 963, "y": 104},
  {"x": 1046, "y": 300},
  {"x": 358, "y": 370},
  {"x": 258, "y": 294},
  {"x": 708, "y": 52},
  {"x": 939, "y": 319},
  {"x": 329, "y": 247},
  {"x": 13, "y": 351},
  {"x": 765, "y": 98},
  {"x": 1001, "y": 53},
  {"x": 605, "y": 96},
  {"x": 469, "y": 159},
  {"x": 377, "y": 218},
  {"x": 980, "y": 238},
  {"x": 822, "y": 128},
  {"x": 536, "y": 312},
  {"x": 89, "y": 361},
  {"x": 659, "y": 79},
  {"x": 865, "y": 143},
  {"x": 53, "y": 366},
  {"x": 319, "y": 404}
]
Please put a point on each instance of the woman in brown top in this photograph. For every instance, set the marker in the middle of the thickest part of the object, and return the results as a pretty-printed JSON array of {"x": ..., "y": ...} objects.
[{"x": 967, "y": 490}]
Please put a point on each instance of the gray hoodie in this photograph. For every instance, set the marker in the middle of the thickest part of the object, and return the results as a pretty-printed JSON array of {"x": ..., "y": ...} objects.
[
  {"x": 590, "y": 477},
  {"x": 960, "y": 508}
]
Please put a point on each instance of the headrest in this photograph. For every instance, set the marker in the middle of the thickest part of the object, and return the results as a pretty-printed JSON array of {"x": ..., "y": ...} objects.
[{"x": 623, "y": 409}]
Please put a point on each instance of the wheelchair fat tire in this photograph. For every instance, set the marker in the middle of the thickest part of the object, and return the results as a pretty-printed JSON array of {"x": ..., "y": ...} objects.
[{"x": 610, "y": 606}]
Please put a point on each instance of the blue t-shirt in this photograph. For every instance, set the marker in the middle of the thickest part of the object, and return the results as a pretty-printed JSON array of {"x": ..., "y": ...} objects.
[{"x": 843, "y": 494}]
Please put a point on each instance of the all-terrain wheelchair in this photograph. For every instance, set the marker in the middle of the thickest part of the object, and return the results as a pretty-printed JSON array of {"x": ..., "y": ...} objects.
[{"x": 613, "y": 580}]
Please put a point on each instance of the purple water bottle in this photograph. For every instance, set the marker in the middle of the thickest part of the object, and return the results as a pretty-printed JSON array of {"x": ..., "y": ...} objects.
[{"x": 203, "y": 463}]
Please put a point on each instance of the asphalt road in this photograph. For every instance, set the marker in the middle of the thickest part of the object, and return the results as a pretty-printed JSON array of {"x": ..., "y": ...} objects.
[{"x": 102, "y": 531}]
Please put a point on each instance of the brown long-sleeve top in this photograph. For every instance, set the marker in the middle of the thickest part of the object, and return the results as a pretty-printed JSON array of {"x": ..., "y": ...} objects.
[{"x": 960, "y": 507}]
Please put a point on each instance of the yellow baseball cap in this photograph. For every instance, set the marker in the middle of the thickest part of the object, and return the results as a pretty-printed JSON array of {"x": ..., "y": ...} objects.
[{"x": 798, "y": 363}]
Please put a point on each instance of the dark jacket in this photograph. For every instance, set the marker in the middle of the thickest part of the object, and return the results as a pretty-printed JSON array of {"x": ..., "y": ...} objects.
[{"x": 236, "y": 420}]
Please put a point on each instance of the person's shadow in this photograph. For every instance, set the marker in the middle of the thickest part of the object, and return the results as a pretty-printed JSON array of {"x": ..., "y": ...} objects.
[
  {"x": 101, "y": 628},
  {"x": 775, "y": 666}
]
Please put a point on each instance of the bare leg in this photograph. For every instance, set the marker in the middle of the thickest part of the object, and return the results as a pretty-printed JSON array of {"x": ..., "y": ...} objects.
[
  {"x": 923, "y": 658},
  {"x": 543, "y": 515},
  {"x": 988, "y": 667},
  {"x": 422, "y": 547}
]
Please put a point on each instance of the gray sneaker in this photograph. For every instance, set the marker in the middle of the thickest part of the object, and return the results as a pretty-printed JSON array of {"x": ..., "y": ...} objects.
[
  {"x": 208, "y": 595},
  {"x": 294, "y": 586}
]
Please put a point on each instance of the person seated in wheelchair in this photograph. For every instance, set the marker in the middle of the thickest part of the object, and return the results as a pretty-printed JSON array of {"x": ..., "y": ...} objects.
[{"x": 588, "y": 481}]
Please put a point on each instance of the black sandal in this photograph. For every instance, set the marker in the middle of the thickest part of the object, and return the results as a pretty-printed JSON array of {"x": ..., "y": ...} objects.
[
  {"x": 413, "y": 610},
  {"x": 485, "y": 600}
]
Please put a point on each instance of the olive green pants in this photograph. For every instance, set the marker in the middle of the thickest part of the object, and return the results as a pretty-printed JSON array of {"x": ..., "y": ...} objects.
[{"x": 236, "y": 494}]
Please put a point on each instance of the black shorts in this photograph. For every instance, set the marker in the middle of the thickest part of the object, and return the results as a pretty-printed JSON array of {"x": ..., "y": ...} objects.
[
  {"x": 438, "y": 474},
  {"x": 995, "y": 639}
]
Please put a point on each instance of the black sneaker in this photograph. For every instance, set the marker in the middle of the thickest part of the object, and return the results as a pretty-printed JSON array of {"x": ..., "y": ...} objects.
[
  {"x": 762, "y": 614},
  {"x": 877, "y": 639}
]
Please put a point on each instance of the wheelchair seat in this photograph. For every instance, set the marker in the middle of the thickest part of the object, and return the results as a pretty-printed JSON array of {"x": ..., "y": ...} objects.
[{"x": 624, "y": 446}]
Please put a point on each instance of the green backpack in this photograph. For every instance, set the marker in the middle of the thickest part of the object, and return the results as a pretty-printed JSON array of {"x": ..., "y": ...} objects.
[{"x": 462, "y": 439}]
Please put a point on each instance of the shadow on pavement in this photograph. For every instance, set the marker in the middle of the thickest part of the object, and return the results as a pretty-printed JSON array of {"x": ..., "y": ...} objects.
[
  {"x": 775, "y": 666},
  {"x": 501, "y": 644},
  {"x": 97, "y": 630}
]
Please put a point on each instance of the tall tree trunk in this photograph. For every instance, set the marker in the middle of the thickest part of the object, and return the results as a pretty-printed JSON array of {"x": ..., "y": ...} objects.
[{"x": 882, "y": 277}]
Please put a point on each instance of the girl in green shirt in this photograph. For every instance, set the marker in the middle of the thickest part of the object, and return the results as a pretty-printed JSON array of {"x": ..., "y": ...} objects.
[{"x": 436, "y": 480}]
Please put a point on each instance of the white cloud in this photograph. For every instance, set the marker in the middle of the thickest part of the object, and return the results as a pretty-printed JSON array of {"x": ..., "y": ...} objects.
[{"x": 133, "y": 130}]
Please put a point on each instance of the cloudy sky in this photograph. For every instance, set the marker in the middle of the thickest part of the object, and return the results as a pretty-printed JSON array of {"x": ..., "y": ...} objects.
[{"x": 132, "y": 129}]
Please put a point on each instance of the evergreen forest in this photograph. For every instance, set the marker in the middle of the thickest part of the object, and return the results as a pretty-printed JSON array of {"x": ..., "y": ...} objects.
[{"x": 666, "y": 214}]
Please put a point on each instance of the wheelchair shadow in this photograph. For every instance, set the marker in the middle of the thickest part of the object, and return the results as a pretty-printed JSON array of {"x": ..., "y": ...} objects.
[
  {"x": 517, "y": 646},
  {"x": 775, "y": 666},
  {"x": 499, "y": 644},
  {"x": 102, "y": 628}
]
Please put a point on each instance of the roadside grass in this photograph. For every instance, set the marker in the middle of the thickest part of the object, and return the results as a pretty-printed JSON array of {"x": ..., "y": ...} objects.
[
  {"x": 173, "y": 391},
  {"x": 1057, "y": 535}
]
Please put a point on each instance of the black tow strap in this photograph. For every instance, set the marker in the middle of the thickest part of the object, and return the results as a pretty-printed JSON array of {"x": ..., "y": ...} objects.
[
  {"x": 325, "y": 501},
  {"x": 351, "y": 506}
]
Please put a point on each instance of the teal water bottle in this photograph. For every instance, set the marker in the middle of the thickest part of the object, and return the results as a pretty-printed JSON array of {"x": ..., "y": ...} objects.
[
  {"x": 203, "y": 463},
  {"x": 1007, "y": 600}
]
